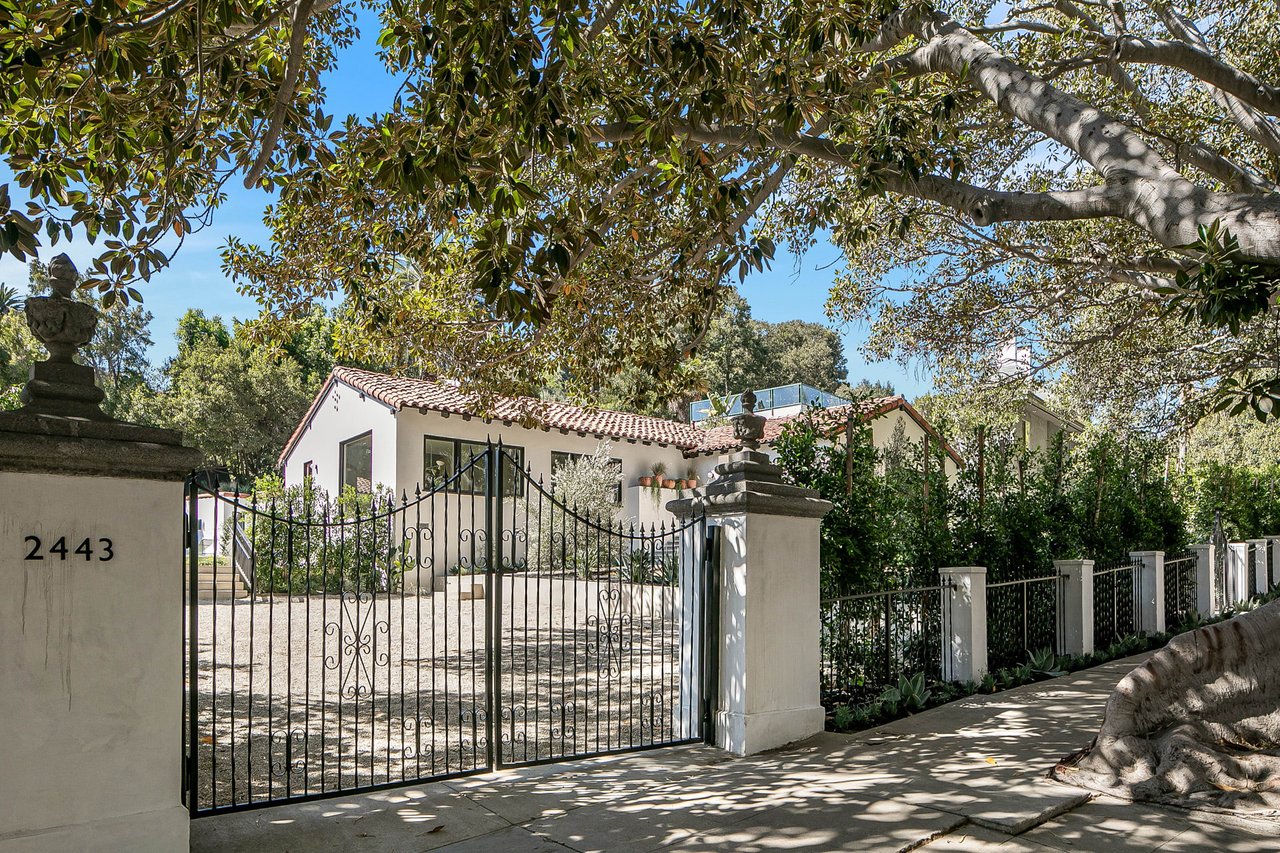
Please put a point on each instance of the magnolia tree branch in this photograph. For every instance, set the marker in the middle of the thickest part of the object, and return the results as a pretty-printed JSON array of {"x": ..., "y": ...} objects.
[
  {"x": 150, "y": 18},
  {"x": 1249, "y": 119},
  {"x": 1199, "y": 155},
  {"x": 1155, "y": 196},
  {"x": 275, "y": 122},
  {"x": 1201, "y": 65}
]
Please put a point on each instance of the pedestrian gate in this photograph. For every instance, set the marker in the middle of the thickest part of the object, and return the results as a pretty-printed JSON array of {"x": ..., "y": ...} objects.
[{"x": 345, "y": 644}]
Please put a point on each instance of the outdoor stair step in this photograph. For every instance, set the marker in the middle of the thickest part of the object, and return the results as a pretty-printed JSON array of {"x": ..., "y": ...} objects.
[
  {"x": 222, "y": 585},
  {"x": 222, "y": 573},
  {"x": 220, "y": 595}
]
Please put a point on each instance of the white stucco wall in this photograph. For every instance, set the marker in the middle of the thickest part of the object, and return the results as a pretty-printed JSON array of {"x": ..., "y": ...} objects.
[
  {"x": 886, "y": 426},
  {"x": 1043, "y": 426},
  {"x": 344, "y": 413},
  {"x": 90, "y": 684}
]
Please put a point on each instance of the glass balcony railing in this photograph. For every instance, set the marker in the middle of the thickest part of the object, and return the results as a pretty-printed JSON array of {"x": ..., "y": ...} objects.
[{"x": 769, "y": 399}]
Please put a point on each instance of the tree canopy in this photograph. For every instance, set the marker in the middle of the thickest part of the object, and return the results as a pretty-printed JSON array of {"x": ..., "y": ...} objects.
[
  {"x": 738, "y": 352},
  {"x": 569, "y": 184},
  {"x": 234, "y": 399}
]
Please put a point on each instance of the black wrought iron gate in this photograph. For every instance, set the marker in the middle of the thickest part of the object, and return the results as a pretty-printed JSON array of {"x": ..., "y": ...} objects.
[{"x": 348, "y": 643}]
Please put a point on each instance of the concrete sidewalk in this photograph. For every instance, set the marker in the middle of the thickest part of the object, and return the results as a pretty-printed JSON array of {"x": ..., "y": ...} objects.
[{"x": 969, "y": 776}]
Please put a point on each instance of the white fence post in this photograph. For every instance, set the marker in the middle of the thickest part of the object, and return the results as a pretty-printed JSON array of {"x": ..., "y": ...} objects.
[
  {"x": 1150, "y": 591},
  {"x": 964, "y": 623},
  {"x": 1258, "y": 551},
  {"x": 1206, "y": 580},
  {"x": 1237, "y": 572},
  {"x": 1273, "y": 542},
  {"x": 1077, "y": 605}
]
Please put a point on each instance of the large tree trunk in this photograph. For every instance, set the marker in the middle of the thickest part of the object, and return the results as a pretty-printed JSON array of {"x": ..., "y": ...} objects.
[{"x": 1197, "y": 724}]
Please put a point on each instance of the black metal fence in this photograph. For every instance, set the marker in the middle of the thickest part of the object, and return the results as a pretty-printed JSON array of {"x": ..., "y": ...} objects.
[
  {"x": 1115, "y": 604},
  {"x": 1023, "y": 616},
  {"x": 1180, "y": 589},
  {"x": 346, "y": 644},
  {"x": 871, "y": 639}
]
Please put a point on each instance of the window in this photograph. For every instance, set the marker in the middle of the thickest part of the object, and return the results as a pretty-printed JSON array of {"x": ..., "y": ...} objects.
[
  {"x": 559, "y": 458},
  {"x": 442, "y": 457},
  {"x": 355, "y": 462},
  {"x": 308, "y": 472}
]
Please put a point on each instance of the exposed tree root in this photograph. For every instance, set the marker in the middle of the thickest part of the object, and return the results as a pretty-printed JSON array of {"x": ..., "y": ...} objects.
[{"x": 1197, "y": 725}]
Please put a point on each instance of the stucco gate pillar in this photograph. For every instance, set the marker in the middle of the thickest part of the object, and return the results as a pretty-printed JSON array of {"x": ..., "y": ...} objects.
[
  {"x": 1258, "y": 551},
  {"x": 964, "y": 623},
  {"x": 769, "y": 655},
  {"x": 91, "y": 614}
]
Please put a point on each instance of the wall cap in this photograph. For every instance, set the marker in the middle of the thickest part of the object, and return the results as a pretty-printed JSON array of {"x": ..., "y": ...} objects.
[
  {"x": 963, "y": 570},
  {"x": 749, "y": 483},
  {"x": 52, "y": 444}
]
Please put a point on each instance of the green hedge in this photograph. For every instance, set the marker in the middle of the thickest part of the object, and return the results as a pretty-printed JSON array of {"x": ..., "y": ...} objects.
[
  {"x": 898, "y": 520},
  {"x": 306, "y": 542}
]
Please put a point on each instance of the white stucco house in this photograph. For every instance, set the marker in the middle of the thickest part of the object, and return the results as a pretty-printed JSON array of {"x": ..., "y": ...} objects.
[{"x": 365, "y": 429}]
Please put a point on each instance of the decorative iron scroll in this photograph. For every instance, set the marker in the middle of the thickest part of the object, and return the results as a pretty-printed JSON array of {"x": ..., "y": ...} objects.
[
  {"x": 611, "y": 624},
  {"x": 357, "y": 655}
]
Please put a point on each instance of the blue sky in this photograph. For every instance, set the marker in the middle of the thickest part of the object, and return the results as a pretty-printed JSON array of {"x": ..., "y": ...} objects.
[{"x": 795, "y": 288}]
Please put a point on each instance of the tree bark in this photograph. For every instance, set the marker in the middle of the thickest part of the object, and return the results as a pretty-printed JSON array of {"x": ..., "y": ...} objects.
[{"x": 1198, "y": 724}]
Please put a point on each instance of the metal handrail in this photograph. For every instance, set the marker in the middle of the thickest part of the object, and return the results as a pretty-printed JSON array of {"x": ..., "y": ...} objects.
[
  {"x": 1126, "y": 567},
  {"x": 242, "y": 558},
  {"x": 1026, "y": 581},
  {"x": 903, "y": 591}
]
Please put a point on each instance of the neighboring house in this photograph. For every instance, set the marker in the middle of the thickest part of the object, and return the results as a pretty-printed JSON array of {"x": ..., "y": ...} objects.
[
  {"x": 369, "y": 430},
  {"x": 1038, "y": 424},
  {"x": 890, "y": 418},
  {"x": 776, "y": 402}
]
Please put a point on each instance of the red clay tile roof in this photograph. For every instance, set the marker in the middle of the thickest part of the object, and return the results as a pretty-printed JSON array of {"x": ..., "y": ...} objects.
[{"x": 403, "y": 393}]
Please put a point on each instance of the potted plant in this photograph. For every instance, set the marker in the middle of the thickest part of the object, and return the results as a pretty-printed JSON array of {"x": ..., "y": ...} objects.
[
  {"x": 656, "y": 473},
  {"x": 691, "y": 478},
  {"x": 645, "y": 482},
  {"x": 668, "y": 483}
]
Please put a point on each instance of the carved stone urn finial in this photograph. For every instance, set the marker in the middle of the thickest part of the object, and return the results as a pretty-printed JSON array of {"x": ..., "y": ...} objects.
[
  {"x": 58, "y": 321},
  {"x": 59, "y": 386},
  {"x": 748, "y": 427}
]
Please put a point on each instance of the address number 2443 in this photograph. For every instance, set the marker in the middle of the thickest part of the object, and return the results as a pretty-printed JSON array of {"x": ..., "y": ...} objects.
[{"x": 87, "y": 549}]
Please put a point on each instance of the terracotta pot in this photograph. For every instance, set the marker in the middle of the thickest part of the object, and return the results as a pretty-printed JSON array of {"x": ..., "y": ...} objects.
[
  {"x": 691, "y": 483},
  {"x": 645, "y": 481},
  {"x": 668, "y": 484}
]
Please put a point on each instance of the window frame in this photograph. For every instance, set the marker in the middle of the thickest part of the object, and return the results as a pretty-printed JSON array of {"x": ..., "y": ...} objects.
[
  {"x": 342, "y": 461},
  {"x": 516, "y": 479}
]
